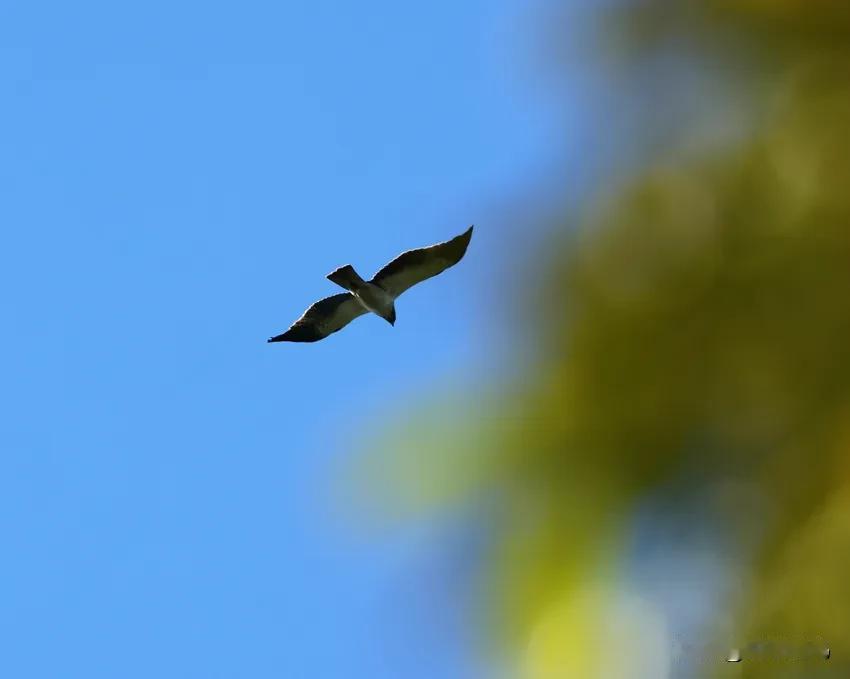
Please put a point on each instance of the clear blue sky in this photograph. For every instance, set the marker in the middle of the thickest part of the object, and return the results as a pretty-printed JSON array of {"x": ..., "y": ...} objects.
[{"x": 177, "y": 179}]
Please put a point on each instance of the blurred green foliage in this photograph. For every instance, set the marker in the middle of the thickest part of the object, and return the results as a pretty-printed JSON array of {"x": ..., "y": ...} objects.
[{"x": 703, "y": 310}]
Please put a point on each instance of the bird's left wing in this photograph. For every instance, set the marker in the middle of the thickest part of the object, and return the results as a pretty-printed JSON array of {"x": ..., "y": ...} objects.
[
  {"x": 415, "y": 266},
  {"x": 322, "y": 319}
]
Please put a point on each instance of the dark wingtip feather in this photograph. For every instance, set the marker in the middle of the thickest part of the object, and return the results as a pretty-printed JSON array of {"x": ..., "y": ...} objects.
[
  {"x": 299, "y": 333},
  {"x": 460, "y": 243}
]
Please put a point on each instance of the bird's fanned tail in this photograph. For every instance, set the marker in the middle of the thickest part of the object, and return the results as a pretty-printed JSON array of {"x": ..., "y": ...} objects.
[{"x": 346, "y": 277}]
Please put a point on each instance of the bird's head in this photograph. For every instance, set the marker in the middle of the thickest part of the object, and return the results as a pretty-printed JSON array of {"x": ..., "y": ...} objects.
[{"x": 389, "y": 317}]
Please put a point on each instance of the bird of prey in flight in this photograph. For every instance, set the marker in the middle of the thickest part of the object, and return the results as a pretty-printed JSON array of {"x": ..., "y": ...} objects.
[{"x": 378, "y": 295}]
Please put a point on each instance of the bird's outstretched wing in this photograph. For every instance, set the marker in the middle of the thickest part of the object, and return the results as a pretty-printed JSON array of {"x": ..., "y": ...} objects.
[
  {"x": 322, "y": 319},
  {"x": 415, "y": 266}
]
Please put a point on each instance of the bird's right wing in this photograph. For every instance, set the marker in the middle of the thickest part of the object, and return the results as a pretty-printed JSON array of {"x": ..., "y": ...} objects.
[
  {"x": 322, "y": 319},
  {"x": 415, "y": 266}
]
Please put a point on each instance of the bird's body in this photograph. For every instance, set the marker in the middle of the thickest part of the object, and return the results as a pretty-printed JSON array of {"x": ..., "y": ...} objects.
[
  {"x": 371, "y": 295},
  {"x": 375, "y": 299},
  {"x": 377, "y": 295}
]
